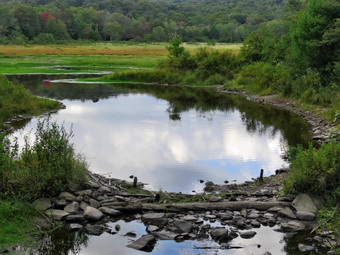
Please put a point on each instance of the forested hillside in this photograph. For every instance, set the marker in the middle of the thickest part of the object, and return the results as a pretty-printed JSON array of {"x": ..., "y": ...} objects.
[{"x": 138, "y": 20}]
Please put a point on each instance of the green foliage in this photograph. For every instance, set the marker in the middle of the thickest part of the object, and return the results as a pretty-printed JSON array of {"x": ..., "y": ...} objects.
[
  {"x": 50, "y": 163},
  {"x": 315, "y": 170},
  {"x": 45, "y": 38},
  {"x": 263, "y": 78},
  {"x": 329, "y": 220},
  {"x": 15, "y": 99},
  {"x": 16, "y": 222},
  {"x": 175, "y": 49}
]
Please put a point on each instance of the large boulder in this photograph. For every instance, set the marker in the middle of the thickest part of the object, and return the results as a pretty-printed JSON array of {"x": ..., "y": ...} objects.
[
  {"x": 301, "y": 215},
  {"x": 165, "y": 235},
  {"x": 287, "y": 213},
  {"x": 156, "y": 219},
  {"x": 95, "y": 230},
  {"x": 145, "y": 242},
  {"x": 42, "y": 204},
  {"x": 56, "y": 214},
  {"x": 247, "y": 234},
  {"x": 92, "y": 214},
  {"x": 304, "y": 203},
  {"x": 221, "y": 235},
  {"x": 94, "y": 203}
]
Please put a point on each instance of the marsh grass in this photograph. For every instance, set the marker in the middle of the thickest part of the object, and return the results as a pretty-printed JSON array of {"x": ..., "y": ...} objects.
[{"x": 15, "y": 99}]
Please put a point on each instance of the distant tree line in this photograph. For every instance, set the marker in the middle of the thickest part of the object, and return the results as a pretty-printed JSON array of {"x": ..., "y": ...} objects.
[{"x": 134, "y": 20}]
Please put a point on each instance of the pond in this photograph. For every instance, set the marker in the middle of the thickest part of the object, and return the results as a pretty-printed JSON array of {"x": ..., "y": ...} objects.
[{"x": 170, "y": 138}]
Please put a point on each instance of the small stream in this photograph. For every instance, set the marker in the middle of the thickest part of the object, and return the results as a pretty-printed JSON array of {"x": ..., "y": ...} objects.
[{"x": 170, "y": 138}]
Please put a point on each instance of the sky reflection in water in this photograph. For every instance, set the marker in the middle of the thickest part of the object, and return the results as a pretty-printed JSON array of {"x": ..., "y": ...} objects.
[{"x": 132, "y": 134}]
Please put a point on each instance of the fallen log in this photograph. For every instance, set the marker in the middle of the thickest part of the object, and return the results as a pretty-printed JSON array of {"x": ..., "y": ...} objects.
[{"x": 126, "y": 206}]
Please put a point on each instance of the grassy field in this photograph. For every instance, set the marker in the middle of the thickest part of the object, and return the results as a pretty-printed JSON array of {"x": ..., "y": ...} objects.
[{"x": 87, "y": 57}]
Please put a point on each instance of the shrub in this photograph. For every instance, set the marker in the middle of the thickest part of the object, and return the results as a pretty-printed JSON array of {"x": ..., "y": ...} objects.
[
  {"x": 50, "y": 163},
  {"x": 45, "y": 38},
  {"x": 315, "y": 170}
]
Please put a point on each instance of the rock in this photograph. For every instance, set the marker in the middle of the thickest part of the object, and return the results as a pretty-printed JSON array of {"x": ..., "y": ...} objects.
[
  {"x": 221, "y": 235},
  {"x": 94, "y": 203},
  {"x": 110, "y": 211},
  {"x": 165, "y": 235},
  {"x": 75, "y": 218},
  {"x": 211, "y": 217},
  {"x": 226, "y": 216},
  {"x": 215, "y": 199},
  {"x": 183, "y": 226},
  {"x": 83, "y": 205},
  {"x": 92, "y": 213},
  {"x": 253, "y": 216},
  {"x": 274, "y": 209},
  {"x": 61, "y": 203},
  {"x": 152, "y": 228},
  {"x": 301, "y": 215},
  {"x": 287, "y": 213},
  {"x": 93, "y": 185},
  {"x": 75, "y": 226},
  {"x": 267, "y": 253},
  {"x": 268, "y": 215},
  {"x": 304, "y": 203},
  {"x": 292, "y": 226},
  {"x": 189, "y": 218},
  {"x": 67, "y": 196},
  {"x": 56, "y": 214},
  {"x": 319, "y": 239},
  {"x": 255, "y": 224},
  {"x": 104, "y": 189},
  {"x": 247, "y": 234},
  {"x": 87, "y": 192},
  {"x": 156, "y": 219},
  {"x": 72, "y": 208},
  {"x": 146, "y": 242},
  {"x": 95, "y": 230},
  {"x": 42, "y": 204},
  {"x": 304, "y": 248}
]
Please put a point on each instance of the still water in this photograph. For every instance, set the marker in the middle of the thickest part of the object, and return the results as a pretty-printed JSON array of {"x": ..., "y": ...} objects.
[{"x": 171, "y": 137}]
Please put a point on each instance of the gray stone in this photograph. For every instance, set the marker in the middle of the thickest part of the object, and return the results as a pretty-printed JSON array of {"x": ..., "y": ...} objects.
[
  {"x": 165, "y": 235},
  {"x": 143, "y": 243},
  {"x": 94, "y": 203},
  {"x": 247, "y": 234},
  {"x": 83, "y": 205},
  {"x": 255, "y": 224},
  {"x": 61, "y": 203},
  {"x": 274, "y": 209},
  {"x": 72, "y": 208},
  {"x": 226, "y": 216},
  {"x": 183, "y": 226},
  {"x": 319, "y": 239},
  {"x": 56, "y": 214},
  {"x": 304, "y": 203},
  {"x": 287, "y": 213},
  {"x": 87, "y": 192},
  {"x": 189, "y": 218},
  {"x": 92, "y": 213},
  {"x": 210, "y": 216},
  {"x": 301, "y": 215},
  {"x": 267, "y": 253},
  {"x": 268, "y": 215},
  {"x": 42, "y": 204},
  {"x": 75, "y": 218},
  {"x": 156, "y": 219},
  {"x": 152, "y": 228},
  {"x": 93, "y": 185},
  {"x": 292, "y": 226},
  {"x": 75, "y": 226},
  {"x": 221, "y": 235},
  {"x": 304, "y": 248},
  {"x": 253, "y": 216},
  {"x": 67, "y": 196},
  {"x": 110, "y": 211},
  {"x": 104, "y": 189},
  {"x": 95, "y": 230}
]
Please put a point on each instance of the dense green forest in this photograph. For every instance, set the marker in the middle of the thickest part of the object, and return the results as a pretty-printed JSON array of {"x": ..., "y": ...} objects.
[{"x": 137, "y": 20}]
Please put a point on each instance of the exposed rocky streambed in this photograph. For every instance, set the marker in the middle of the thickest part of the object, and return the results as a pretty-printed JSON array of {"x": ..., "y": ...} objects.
[{"x": 239, "y": 211}]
